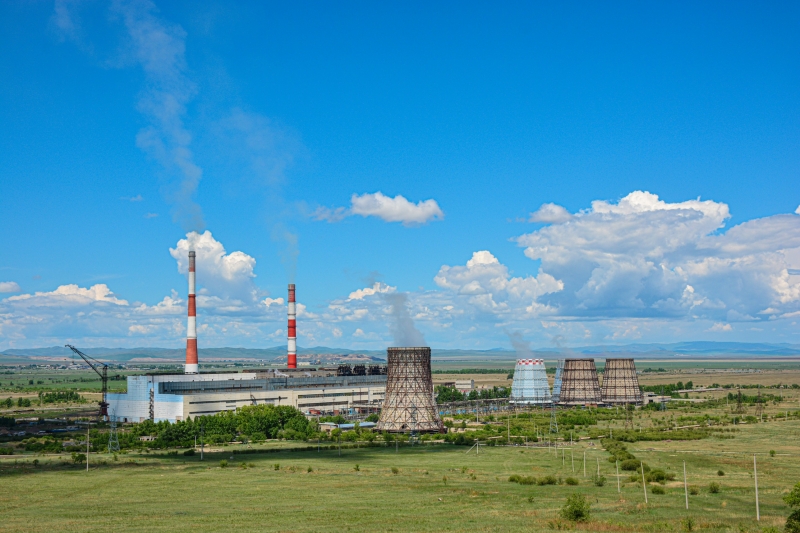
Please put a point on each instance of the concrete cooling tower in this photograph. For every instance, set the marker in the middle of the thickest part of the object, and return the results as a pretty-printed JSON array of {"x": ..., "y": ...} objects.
[
  {"x": 620, "y": 383},
  {"x": 530, "y": 386},
  {"x": 579, "y": 384},
  {"x": 409, "y": 405}
]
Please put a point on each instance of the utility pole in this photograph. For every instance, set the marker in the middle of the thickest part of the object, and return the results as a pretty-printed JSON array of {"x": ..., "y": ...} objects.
[
  {"x": 755, "y": 475},
  {"x": 87, "y": 445},
  {"x": 685, "y": 486},
  {"x": 644, "y": 485},
  {"x": 584, "y": 463}
]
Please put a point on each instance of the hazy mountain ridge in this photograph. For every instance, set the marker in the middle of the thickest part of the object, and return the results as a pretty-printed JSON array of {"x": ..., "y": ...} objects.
[{"x": 275, "y": 354}]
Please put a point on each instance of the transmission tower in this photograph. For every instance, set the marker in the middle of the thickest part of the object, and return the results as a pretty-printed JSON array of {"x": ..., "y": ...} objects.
[
  {"x": 628, "y": 416},
  {"x": 739, "y": 409},
  {"x": 759, "y": 405},
  {"x": 113, "y": 439}
]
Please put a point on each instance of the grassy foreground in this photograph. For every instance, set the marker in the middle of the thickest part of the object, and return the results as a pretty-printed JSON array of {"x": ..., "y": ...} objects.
[{"x": 150, "y": 492}]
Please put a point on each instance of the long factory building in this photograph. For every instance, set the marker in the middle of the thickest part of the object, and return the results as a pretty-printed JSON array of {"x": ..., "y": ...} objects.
[{"x": 176, "y": 397}]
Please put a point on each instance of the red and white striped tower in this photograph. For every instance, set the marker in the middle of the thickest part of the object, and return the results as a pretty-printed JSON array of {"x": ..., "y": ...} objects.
[
  {"x": 292, "y": 359},
  {"x": 191, "y": 329}
]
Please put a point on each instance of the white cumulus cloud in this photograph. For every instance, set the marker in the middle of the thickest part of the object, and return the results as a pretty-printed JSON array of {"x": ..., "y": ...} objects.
[
  {"x": 488, "y": 286},
  {"x": 9, "y": 286},
  {"x": 397, "y": 209},
  {"x": 644, "y": 257},
  {"x": 550, "y": 214},
  {"x": 377, "y": 288}
]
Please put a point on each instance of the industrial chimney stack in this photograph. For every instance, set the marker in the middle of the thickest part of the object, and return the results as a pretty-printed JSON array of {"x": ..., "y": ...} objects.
[
  {"x": 292, "y": 359},
  {"x": 191, "y": 329}
]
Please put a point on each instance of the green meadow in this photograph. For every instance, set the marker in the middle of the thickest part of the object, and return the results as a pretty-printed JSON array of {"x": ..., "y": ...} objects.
[{"x": 432, "y": 487}]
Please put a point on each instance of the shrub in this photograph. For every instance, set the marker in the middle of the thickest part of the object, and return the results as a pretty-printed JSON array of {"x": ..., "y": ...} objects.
[
  {"x": 576, "y": 508},
  {"x": 659, "y": 476},
  {"x": 598, "y": 481},
  {"x": 223, "y": 463},
  {"x": 514, "y": 478},
  {"x": 658, "y": 489},
  {"x": 772, "y": 453},
  {"x": 357, "y": 468},
  {"x": 309, "y": 470},
  {"x": 793, "y": 500},
  {"x": 276, "y": 466},
  {"x": 395, "y": 470},
  {"x": 189, "y": 453},
  {"x": 713, "y": 488},
  {"x": 78, "y": 458},
  {"x": 793, "y": 522},
  {"x": 694, "y": 491},
  {"x": 547, "y": 480},
  {"x": 632, "y": 465},
  {"x": 688, "y": 523},
  {"x": 720, "y": 473},
  {"x": 571, "y": 481}
]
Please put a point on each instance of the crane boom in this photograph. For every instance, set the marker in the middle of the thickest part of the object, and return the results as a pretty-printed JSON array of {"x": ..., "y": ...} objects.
[{"x": 102, "y": 372}]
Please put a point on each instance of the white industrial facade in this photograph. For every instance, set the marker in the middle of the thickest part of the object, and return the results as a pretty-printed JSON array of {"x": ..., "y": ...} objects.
[{"x": 177, "y": 397}]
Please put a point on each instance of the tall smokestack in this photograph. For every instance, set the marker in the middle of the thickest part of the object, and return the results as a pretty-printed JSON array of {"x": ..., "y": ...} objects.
[
  {"x": 191, "y": 329},
  {"x": 292, "y": 359}
]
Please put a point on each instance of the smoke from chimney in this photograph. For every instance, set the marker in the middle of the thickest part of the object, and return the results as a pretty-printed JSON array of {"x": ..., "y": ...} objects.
[
  {"x": 292, "y": 351},
  {"x": 191, "y": 328},
  {"x": 403, "y": 330}
]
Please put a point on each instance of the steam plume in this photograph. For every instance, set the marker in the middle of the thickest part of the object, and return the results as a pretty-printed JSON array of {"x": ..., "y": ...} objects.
[
  {"x": 521, "y": 346},
  {"x": 402, "y": 327}
]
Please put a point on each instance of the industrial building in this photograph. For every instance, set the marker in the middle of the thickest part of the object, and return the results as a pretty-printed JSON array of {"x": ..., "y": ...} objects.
[{"x": 176, "y": 397}]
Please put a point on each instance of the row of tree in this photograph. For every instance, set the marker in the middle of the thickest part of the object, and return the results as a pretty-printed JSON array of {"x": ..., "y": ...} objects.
[
  {"x": 446, "y": 394},
  {"x": 252, "y": 422}
]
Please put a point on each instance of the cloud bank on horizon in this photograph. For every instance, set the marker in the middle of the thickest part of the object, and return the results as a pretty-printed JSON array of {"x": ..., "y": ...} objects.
[{"x": 640, "y": 269}]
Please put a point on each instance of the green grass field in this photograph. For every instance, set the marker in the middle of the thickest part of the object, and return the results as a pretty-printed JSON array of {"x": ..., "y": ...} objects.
[{"x": 159, "y": 492}]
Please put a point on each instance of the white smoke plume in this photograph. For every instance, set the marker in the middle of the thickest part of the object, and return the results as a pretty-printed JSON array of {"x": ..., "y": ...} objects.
[
  {"x": 159, "y": 48},
  {"x": 403, "y": 330},
  {"x": 521, "y": 346}
]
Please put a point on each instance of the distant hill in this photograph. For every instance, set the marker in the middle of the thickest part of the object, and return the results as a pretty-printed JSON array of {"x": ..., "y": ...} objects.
[{"x": 329, "y": 355}]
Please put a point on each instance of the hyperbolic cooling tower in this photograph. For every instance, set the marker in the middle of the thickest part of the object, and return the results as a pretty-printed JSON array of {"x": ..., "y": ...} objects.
[
  {"x": 579, "y": 384},
  {"x": 620, "y": 383},
  {"x": 409, "y": 405},
  {"x": 530, "y": 386}
]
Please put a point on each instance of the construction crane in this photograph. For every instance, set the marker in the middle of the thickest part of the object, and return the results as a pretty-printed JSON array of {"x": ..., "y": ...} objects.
[{"x": 102, "y": 372}]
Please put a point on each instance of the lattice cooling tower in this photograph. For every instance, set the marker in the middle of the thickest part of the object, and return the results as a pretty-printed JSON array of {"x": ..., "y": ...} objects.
[
  {"x": 530, "y": 385},
  {"x": 620, "y": 383},
  {"x": 409, "y": 405},
  {"x": 579, "y": 384}
]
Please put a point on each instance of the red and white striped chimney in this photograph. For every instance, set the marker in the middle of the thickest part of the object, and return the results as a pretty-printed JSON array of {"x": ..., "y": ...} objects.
[
  {"x": 191, "y": 329},
  {"x": 292, "y": 359}
]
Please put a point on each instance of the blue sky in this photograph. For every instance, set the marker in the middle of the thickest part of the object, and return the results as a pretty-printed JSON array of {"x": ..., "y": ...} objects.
[{"x": 126, "y": 126}]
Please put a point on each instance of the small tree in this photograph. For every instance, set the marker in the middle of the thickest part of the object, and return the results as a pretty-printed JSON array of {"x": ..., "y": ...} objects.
[
  {"x": 793, "y": 500},
  {"x": 576, "y": 508}
]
